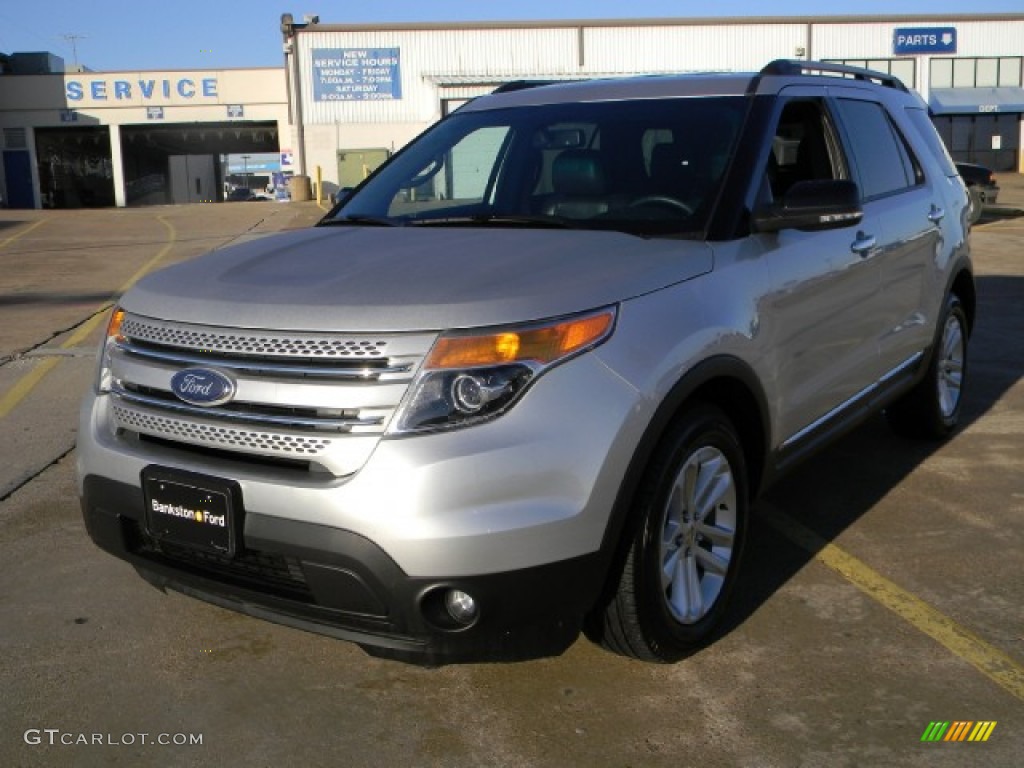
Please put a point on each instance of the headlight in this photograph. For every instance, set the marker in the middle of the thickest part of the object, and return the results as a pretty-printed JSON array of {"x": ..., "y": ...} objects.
[
  {"x": 111, "y": 338},
  {"x": 469, "y": 377}
]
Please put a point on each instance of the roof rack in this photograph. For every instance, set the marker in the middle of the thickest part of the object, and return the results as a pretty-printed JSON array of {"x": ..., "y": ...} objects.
[
  {"x": 791, "y": 67},
  {"x": 522, "y": 85}
]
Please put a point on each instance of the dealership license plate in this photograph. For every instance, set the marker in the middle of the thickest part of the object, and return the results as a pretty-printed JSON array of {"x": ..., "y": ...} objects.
[{"x": 191, "y": 510}]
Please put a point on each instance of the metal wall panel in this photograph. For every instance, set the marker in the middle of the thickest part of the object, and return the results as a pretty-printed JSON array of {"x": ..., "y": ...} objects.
[{"x": 733, "y": 47}]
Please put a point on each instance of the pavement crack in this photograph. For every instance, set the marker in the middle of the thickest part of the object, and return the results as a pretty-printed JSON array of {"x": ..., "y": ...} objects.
[
  {"x": 27, "y": 478},
  {"x": 36, "y": 349}
]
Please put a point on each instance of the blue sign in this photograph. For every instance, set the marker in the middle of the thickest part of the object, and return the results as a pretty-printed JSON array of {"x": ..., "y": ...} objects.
[
  {"x": 68, "y": 116},
  {"x": 356, "y": 74},
  {"x": 154, "y": 113},
  {"x": 236, "y": 110},
  {"x": 910, "y": 40}
]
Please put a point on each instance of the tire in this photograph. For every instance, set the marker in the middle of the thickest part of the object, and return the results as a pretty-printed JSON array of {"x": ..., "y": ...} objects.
[
  {"x": 975, "y": 205},
  {"x": 683, "y": 560},
  {"x": 932, "y": 408}
]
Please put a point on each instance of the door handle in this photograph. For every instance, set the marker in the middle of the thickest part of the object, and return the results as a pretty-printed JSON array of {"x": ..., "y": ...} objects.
[
  {"x": 936, "y": 214},
  {"x": 864, "y": 245}
]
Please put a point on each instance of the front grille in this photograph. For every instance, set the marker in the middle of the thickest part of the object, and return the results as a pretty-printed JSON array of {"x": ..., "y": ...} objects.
[
  {"x": 189, "y": 431},
  {"x": 314, "y": 396},
  {"x": 250, "y": 343}
]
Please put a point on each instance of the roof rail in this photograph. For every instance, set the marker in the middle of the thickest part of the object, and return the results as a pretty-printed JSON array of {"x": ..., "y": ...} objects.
[
  {"x": 794, "y": 67},
  {"x": 522, "y": 85}
]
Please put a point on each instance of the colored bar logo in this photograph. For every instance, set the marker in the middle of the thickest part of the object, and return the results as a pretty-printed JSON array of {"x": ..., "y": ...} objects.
[{"x": 959, "y": 730}]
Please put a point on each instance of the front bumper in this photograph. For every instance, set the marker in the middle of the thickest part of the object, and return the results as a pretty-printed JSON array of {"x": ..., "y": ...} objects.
[
  {"x": 334, "y": 582},
  {"x": 512, "y": 512}
]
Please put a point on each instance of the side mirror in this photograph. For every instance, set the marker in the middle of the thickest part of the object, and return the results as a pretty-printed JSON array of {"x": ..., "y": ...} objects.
[
  {"x": 341, "y": 195},
  {"x": 812, "y": 205}
]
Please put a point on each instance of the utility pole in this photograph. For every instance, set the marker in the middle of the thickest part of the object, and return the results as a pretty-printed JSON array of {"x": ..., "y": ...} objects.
[{"x": 73, "y": 39}]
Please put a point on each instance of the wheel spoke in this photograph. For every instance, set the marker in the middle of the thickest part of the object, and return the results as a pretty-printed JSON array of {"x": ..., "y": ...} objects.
[
  {"x": 687, "y": 484},
  {"x": 669, "y": 568},
  {"x": 686, "y": 598},
  {"x": 952, "y": 348},
  {"x": 717, "y": 534},
  {"x": 714, "y": 482},
  {"x": 711, "y": 561}
]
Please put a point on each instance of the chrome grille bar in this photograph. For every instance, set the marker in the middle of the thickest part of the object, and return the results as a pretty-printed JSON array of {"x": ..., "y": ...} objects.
[
  {"x": 254, "y": 419},
  {"x": 266, "y": 368}
]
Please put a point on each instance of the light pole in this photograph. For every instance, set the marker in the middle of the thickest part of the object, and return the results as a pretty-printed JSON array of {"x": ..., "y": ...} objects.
[{"x": 245, "y": 169}]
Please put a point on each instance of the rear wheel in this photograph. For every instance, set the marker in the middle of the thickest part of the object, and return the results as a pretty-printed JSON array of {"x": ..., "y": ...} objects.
[
  {"x": 974, "y": 205},
  {"x": 683, "y": 561},
  {"x": 932, "y": 408}
]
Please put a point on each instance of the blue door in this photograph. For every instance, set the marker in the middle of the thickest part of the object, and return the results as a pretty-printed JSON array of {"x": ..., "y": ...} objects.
[{"x": 18, "y": 179}]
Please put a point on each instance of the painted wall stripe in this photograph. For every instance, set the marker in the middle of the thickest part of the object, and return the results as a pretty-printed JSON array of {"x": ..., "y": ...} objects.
[{"x": 988, "y": 660}]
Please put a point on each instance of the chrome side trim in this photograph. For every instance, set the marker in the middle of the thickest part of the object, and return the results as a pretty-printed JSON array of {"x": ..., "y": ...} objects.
[
  {"x": 912, "y": 360},
  {"x": 336, "y": 425},
  {"x": 261, "y": 367},
  {"x": 870, "y": 389}
]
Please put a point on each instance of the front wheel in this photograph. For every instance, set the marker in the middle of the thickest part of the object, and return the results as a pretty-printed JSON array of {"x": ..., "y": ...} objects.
[
  {"x": 683, "y": 561},
  {"x": 932, "y": 408}
]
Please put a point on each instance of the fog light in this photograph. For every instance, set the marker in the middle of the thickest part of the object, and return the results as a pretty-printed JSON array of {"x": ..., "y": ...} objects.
[{"x": 460, "y": 606}]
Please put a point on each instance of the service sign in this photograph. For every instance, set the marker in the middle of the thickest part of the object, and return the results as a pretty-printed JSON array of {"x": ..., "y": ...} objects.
[
  {"x": 356, "y": 74},
  {"x": 913, "y": 40}
]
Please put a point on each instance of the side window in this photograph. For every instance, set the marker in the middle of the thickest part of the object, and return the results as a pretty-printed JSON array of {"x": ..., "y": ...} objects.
[
  {"x": 883, "y": 159},
  {"x": 803, "y": 148},
  {"x": 926, "y": 129}
]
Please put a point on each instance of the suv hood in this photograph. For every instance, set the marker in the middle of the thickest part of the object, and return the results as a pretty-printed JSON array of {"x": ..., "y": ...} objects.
[{"x": 377, "y": 279}]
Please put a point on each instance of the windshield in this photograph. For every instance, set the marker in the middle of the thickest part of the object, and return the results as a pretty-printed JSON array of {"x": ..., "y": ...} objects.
[{"x": 646, "y": 167}]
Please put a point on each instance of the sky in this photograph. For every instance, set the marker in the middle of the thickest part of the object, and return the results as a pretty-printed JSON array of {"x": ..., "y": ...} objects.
[{"x": 114, "y": 35}]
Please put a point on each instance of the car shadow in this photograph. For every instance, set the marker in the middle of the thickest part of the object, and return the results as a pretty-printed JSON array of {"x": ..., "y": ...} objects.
[
  {"x": 36, "y": 298},
  {"x": 830, "y": 492},
  {"x": 13, "y": 223}
]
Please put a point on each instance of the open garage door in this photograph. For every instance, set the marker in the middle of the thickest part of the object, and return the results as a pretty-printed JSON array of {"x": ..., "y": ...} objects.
[
  {"x": 75, "y": 168},
  {"x": 153, "y": 164}
]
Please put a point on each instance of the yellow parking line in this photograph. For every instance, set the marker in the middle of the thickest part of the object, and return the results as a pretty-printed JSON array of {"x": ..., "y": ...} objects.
[
  {"x": 988, "y": 660},
  {"x": 23, "y": 232},
  {"x": 30, "y": 380}
]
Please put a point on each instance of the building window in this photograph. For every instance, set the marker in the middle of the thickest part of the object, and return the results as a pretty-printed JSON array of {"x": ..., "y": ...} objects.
[{"x": 988, "y": 72}]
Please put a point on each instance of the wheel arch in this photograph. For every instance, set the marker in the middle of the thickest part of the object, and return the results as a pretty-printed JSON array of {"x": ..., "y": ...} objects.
[
  {"x": 725, "y": 382},
  {"x": 963, "y": 286}
]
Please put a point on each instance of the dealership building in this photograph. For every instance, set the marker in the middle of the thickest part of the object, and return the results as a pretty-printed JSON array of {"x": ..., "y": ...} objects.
[{"x": 349, "y": 95}]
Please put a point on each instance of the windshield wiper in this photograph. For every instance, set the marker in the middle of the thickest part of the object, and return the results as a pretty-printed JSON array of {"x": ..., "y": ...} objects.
[
  {"x": 501, "y": 220},
  {"x": 360, "y": 219}
]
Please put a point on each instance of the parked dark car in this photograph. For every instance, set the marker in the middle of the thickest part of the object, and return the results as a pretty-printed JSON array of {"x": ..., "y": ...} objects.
[
  {"x": 981, "y": 185},
  {"x": 239, "y": 194}
]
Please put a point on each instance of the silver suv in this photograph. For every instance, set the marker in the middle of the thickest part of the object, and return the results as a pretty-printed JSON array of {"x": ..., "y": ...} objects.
[{"x": 528, "y": 377}]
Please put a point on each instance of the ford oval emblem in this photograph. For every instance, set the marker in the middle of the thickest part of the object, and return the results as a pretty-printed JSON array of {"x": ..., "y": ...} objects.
[{"x": 202, "y": 386}]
